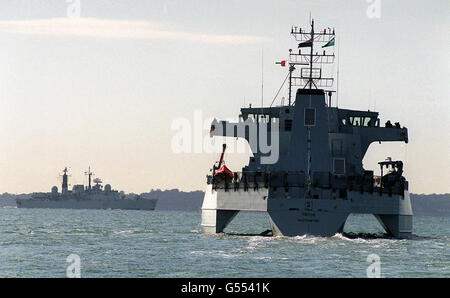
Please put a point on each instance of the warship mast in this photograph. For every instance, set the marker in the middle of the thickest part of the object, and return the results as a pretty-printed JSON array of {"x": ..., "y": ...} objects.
[
  {"x": 310, "y": 81},
  {"x": 65, "y": 184},
  {"x": 89, "y": 174},
  {"x": 310, "y": 76}
]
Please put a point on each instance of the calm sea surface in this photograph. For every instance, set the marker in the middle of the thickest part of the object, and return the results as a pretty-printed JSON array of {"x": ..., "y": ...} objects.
[{"x": 37, "y": 242}]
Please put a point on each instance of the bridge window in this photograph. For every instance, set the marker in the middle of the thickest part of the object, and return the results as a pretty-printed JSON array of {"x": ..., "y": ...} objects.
[
  {"x": 362, "y": 121},
  {"x": 367, "y": 121},
  {"x": 263, "y": 118},
  {"x": 355, "y": 121}
]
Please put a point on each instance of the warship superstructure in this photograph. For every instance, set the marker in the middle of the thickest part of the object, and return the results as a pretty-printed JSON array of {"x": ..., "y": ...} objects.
[
  {"x": 317, "y": 178},
  {"x": 90, "y": 197}
]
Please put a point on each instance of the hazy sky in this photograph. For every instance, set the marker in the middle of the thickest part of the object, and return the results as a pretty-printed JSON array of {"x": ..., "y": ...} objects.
[{"x": 103, "y": 90}]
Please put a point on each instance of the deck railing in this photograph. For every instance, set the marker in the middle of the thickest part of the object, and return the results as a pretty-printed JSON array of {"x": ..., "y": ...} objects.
[{"x": 255, "y": 180}]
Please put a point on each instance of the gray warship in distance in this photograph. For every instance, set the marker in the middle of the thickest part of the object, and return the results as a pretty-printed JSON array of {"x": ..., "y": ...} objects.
[
  {"x": 91, "y": 197},
  {"x": 318, "y": 179}
]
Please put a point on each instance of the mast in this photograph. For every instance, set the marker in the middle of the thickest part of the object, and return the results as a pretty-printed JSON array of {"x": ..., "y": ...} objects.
[
  {"x": 89, "y": 174},
  {"x": 291, "y": 69},
  {"x": 311, "y": 76},
  {"x": 65, "y": 182},
  {"x": 310, "y": 80},
  {"x": 262, "y": 78}
]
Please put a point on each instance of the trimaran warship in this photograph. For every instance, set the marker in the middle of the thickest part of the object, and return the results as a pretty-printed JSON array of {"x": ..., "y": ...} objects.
[
  {"x": 89, "y": 197},
  {"x": 318, "y": 179}
]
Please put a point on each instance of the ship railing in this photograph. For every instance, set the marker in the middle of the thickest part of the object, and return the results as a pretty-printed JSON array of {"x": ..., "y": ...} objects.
[
  {"x": 260, "y": 179},
  {"x": 240, "y": 181},
  {"x": 255, "y": 180}
]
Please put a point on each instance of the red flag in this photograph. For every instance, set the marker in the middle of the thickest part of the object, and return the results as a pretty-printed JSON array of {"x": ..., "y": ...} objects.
[{"x": 283, "y": 63}]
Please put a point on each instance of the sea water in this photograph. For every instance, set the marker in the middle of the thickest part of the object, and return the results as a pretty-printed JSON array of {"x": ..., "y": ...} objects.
[{"x": 119, "y": 243}]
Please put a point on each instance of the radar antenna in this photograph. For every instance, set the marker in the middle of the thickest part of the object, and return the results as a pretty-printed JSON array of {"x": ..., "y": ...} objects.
[
  {"x": 98, "y": 181},
  {"x": 311, "y": 76}
]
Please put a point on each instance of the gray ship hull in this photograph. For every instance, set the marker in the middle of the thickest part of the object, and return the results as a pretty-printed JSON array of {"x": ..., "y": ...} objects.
[
  {"x": 125, "y": 204},
  {"x": 296, "y": 216}
]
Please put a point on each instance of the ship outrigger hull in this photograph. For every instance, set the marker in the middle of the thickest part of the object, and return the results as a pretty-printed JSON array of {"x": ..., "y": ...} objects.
[{"x": 299, "y": 216}]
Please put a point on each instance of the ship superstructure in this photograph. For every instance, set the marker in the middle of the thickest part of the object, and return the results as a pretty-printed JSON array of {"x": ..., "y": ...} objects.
[
  {"x": 89, "y": 197},
  {"x": 315, "y": 178}
]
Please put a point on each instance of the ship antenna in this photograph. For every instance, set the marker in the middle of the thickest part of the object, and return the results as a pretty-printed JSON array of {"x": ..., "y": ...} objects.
[
  {"x": 89, "y": 174},
  {"x": 337, "y": 77},
  {"x": 262, "y": 77},
  {"x": 311, "y": 55},
  {"x": 276, "y": 95}
]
